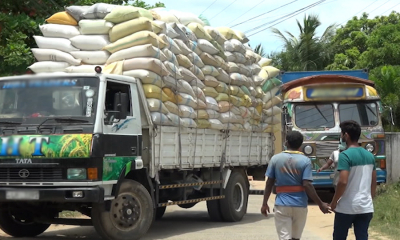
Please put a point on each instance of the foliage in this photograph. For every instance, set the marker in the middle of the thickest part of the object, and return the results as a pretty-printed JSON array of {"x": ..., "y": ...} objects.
[
  {"x": 20, "y": 20},
  {"x": 367, "y": 43},
  {"x": 260, "y": 50},
  {"x": 307, "y": 51},
  {"x": 205, "y": 20}
]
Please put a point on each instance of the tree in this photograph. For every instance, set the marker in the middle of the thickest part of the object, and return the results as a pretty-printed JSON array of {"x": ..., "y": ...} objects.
[
  {"x": 367, "y": 43},
  {"x": 307, "y": 51},
  {"x": 260, "y": 50},
  {"x": 20, "y": 20}
]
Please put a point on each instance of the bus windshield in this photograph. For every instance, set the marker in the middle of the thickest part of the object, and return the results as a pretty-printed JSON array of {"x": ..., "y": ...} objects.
[
  {"x": 314, "y": 116},
  {"x": 366, "y": 114}
]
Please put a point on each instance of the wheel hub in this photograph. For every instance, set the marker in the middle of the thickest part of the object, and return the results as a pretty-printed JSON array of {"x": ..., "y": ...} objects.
[
  {"x": 125, "y": 212},
  {"x": 238, "y": 197}
]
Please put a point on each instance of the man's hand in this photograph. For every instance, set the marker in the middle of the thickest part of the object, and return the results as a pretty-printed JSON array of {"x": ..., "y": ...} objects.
[
  {"x": 265, "y": 209},
  {"x": 319, "y": 170},
  {"x": 333, "y": 205},
  {"x": 324, "y": 208}
]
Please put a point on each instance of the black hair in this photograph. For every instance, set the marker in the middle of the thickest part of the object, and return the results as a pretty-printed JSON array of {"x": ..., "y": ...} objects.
[
  {"x": 294, "y": 139},
  {"x": 352, "y": 128}
]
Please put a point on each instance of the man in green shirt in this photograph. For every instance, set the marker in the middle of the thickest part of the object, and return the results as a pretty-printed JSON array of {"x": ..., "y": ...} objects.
[{"x": 356, "y": 186}]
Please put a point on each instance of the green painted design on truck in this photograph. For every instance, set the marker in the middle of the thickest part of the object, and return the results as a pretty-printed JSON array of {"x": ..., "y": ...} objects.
[
  {"x": 112, "y": 166},
  {"x": 46, "y": 146}
]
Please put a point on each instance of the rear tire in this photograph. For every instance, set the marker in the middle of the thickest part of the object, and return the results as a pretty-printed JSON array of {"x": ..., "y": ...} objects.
[
  {"x": 214, "y": 210},
  {"x": 18, "y": 225},
  {"x": 130, "y": 216},
  {"x": 234, "y": 205}
]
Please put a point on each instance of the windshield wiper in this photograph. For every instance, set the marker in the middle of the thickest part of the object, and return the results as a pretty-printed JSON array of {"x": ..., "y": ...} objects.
[
  {"x": 10, "y": 122},
  {"x": 63, "y": 120}
]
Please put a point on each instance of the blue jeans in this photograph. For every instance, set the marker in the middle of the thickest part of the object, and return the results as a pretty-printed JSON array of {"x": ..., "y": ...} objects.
[{"x": 343, "y": 223}]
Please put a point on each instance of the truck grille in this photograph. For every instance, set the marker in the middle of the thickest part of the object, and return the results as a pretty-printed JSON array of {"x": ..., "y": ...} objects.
[
  {"x": 30, "y": 174},
  {"x": 325, "y": 149}
]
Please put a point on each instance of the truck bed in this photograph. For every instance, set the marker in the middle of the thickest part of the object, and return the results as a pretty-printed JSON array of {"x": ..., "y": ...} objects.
[{"x": 205, "y": 148}]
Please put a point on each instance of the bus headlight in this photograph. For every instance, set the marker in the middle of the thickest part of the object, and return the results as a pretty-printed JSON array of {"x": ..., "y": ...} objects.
[
  {"x": 370, "y": 147},
  {"x": 308, "y": 149}
]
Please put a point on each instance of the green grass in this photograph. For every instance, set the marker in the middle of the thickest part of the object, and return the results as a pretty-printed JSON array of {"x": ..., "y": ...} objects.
[{"x": 386, "y": 218}]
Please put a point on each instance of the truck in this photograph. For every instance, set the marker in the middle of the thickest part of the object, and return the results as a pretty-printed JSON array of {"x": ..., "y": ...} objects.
[
  {"x": 86, "y": 142},
  {"x": 315, "y": 103}
]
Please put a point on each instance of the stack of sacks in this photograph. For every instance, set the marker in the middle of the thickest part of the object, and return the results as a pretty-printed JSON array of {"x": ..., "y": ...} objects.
[
  {"x": 270, "y": 85},
  {"x": 193, "y": 75}
]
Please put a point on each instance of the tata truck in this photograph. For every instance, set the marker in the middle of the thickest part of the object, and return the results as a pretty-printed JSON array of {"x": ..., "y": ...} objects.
[
  {"x": 87, "y": 143},
  {"x": 315, "y": 103}
]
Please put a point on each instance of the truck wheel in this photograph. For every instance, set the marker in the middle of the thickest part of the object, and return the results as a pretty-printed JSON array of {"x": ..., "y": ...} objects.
[
  {"x": 187, "y": 205},
  {"x": 214, "y": 210},
  {"x": 130, "y": 215},
  {"x": 234, "y": 205},
  {"x": 20, "y": 224},
  {"x": 160, "y": 212}
]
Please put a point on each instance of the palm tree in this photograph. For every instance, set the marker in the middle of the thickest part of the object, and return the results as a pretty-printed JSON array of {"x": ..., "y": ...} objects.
[
  {"x": 307, "y": 51},
  {"x": 260, "y": 50}
]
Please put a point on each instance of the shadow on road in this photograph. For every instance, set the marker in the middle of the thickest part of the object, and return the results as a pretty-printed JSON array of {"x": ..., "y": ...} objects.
[{"x": 172, "y": 224}]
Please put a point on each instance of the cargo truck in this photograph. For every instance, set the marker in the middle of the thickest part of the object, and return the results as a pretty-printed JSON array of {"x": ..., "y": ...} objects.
[
  {"x": 315, "y": 103},
  {"x": 87, "y": 143}
]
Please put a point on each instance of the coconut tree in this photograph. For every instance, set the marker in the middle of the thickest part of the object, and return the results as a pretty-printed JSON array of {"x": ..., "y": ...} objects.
[{"x": 307, "y": 51}]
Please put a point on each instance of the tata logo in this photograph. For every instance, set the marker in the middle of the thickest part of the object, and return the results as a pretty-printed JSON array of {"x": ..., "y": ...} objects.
[
  {"x": 23, "y": 160},
  {"x": 24, "y": 173},
  {"x": 10, "y": 146},
  {"x": 334, "y": 93}
]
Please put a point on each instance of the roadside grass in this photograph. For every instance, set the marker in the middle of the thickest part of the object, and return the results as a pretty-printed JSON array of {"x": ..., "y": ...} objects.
[{"x": 386, "y": 218}]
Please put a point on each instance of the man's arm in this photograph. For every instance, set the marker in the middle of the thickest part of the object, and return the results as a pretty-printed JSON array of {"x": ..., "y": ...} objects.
[
  {"x": 326, "y": 165},
  {"x": 373, "y": 184},
  {"x": 268, "y": 190}
]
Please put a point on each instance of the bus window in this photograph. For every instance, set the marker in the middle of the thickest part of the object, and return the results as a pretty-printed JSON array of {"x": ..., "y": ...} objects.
[
  {"x": 365, "y": 114},
  {"x": 314, "y": 116}
]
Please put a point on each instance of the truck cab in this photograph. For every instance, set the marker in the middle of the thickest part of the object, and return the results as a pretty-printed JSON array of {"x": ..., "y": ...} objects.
[{"x": 315, "y": 105}]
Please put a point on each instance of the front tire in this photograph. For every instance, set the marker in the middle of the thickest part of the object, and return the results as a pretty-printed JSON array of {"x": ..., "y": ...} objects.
[
  {"x": 234, "y": 205},
  {"x": 130, "y": 215},
  {"x": 20, "y": 224}
]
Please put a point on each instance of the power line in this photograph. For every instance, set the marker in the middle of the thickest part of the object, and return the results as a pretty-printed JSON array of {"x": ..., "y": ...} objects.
[
  {"x": 247, "y": 11},
  {"x": 359, "y": 11},
  {"x": 224, "y": 9},
  {"x": 288, "y": 16},
  {"x": 379, "y": 6},
  {"x": 264, "y": 13},
  {"x": 390, "y": 8},
  {"x": 208, "y": 7}
]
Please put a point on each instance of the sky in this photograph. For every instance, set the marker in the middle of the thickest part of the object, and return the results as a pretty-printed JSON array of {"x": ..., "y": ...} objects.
[{"x": 231, "y": 12}]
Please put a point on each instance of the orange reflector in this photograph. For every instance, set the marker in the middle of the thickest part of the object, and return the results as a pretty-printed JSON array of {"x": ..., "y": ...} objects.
[
  {"x": 380, "y": 135},
  {"x": 383, "y": 164},
  {"x": 92, "y": 173}
]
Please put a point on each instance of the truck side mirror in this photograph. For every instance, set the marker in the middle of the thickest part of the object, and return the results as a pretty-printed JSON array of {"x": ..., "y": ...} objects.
[{"x": 121, "y": 105}]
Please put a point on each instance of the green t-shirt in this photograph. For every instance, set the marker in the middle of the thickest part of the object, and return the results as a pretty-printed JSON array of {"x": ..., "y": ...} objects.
[{"x": 357, "y": 197}]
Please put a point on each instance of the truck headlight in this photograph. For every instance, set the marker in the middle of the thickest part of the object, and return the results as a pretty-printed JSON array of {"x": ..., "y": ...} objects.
[
  {"x": 308, "y": 149},
  {"x": 369, "y": 147},
  {"x": 76, "y": 173}
]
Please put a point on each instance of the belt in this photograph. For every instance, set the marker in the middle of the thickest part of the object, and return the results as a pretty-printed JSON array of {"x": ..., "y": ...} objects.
[{"x": 289, "y": 189}]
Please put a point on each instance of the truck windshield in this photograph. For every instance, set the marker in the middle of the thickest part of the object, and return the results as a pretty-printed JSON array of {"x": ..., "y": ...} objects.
[
  {"x": 366, "y": 114},
  {"x": 31, "y": 100},
  {"x": 314, "y": 116}
]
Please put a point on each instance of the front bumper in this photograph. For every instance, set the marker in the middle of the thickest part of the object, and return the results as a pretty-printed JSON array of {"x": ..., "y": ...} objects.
[{"x": 45, "y": 194}]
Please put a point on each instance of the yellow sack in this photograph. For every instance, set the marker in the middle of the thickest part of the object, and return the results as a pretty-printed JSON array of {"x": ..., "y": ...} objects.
[
  {"x": 227, "y": 33},
  {"x": 259, "y": 91},
  {"x": 172, "y": 107},
  {"x": 237, "y": 91},
  {"x": 209, "y": 60},
  {"x": 235, "y": 100},
  {"x": 210, "y": 81},
  {"x": 224, "y": 106},
  {"x": 152, "y": 91},
  {"x": 222, "y": 97},
  {"x": 202, "y": 114},
  {"x": 271, "y": 71},
  {"x": 263, "y": 74},
  {"x": 199, "y": 31},
  {"x": 184, "y": 61},
  {"x": 210, "y": 92},
  {"x": 62, "y": 18},
  {"x": 114, "y": 68},
  {"x": 126, "y": 13},
  {"x": 222, "y": 88},
  {"x": 246, "y": 101},
  {"x": 202, "y": 123},
  {"x": 139, "y": 38},
  {"x": 170, "y": 95},
  {"x": 126, "y": 28},
  {"x": 274, "y": 101}
]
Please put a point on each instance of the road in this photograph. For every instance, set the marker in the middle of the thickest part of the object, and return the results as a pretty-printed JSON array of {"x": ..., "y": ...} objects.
[{"x": 194, "y": 224}]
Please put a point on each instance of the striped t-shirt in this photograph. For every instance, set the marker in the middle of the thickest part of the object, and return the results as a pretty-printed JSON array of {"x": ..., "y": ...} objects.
[{"x": 357, "y": 197}]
